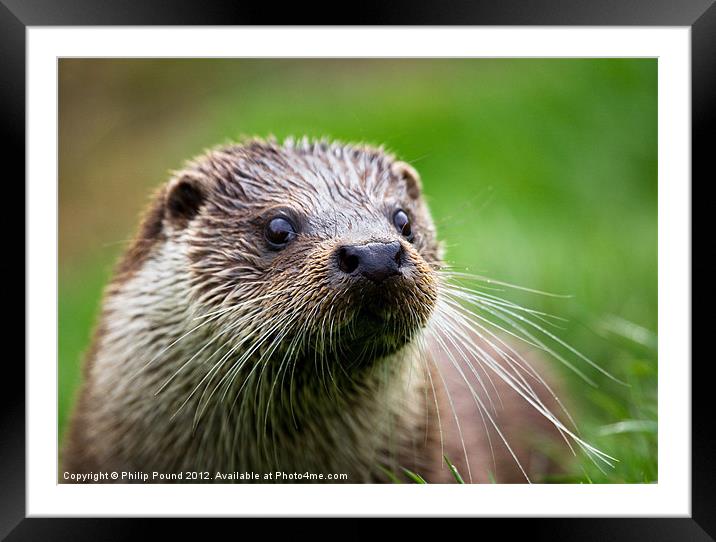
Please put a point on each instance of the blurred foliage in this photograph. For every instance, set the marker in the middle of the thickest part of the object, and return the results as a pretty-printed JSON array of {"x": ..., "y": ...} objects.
[{"x": 541, "y": 173}]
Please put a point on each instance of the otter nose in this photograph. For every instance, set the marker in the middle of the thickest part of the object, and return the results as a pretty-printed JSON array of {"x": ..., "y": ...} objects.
[{"x": 374, "y": 261}]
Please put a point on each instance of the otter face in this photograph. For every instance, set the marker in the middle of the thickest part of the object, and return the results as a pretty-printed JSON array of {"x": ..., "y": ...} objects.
[{"x": 308, "y": 247}]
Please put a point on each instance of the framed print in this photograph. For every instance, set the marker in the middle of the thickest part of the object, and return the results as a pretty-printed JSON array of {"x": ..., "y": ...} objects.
[{"x": 332, "y": 271}]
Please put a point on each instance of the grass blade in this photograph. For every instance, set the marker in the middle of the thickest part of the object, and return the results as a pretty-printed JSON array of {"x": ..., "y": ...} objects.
[
  {"x": 414, "y": 477},
  {"x": 454, "y": 471},
  {"x": 390, "y": 474}
]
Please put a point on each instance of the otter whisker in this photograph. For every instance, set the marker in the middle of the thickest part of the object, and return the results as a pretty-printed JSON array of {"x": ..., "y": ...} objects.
[
  {"x": 240, "y": 306},
  {"x": 164, "y": 350},
  {"x": 213, "y": 318},
  {"x": 589, "y": 449},
  {"x": 534, "y": 341},
  {"x": 477, "y": 318},
  {"x": 325, "y": 364},
  {"x": 482, "y": 409},
  {"x": 509, "y": 359},
  {"x": 263, "y": 362},
  {"x": 208, "y": 374},
  {"x": 489, "y": 280},
  {"x": 216, "y": 366},
  {"x": 282, "y": 324},
  {"x": 304, "y": 328},
  {"x": 482, "y": 357},
  {"x": 563, "y": 344},
  {"x": 443, "y": 326},
  {"x": 243, "y": 359},
  {"x": 509, "y": 355},
  {"x": 481, "y": 323},
  {"x": 241, "y": 321},
  {"x": 444, "y": 322},
  {"x": 281, "y": 371},
  {"x": 452, "y": 406},
  {"x": 471, "y": 294},
  {"x": 287, "y": 329},
  {"x": 505, "y": 315}
]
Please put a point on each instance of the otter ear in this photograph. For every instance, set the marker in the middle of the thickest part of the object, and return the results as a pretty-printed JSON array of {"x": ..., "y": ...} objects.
[
  {"x": 184, "y": 197},
  {"x": 405, "y": 171}
]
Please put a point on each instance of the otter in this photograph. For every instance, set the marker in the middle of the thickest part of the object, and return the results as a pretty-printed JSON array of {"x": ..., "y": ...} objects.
[{"x": 285, "y": 307}]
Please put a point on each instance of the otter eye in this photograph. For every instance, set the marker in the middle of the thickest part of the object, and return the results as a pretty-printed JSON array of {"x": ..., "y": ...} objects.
[
  {"x": 402, "y": 224},
  {"x": 280, "y": 231}
]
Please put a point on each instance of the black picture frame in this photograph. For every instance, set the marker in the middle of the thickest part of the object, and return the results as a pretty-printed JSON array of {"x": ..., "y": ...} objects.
[{"x": 16, "y": 15}]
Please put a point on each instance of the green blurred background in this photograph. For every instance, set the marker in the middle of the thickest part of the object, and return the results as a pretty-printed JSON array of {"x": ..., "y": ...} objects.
[{"x": 541, "y": 173}]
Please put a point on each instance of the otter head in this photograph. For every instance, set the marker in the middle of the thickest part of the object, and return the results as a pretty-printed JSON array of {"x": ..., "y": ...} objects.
[{"x": 306, "y": 250}]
